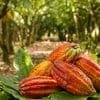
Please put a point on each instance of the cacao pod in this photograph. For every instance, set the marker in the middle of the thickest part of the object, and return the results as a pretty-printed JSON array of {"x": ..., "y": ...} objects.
[
  {"x": 90, "y": 68},
  {"x": 37, "y": 86},
  {"x": 66, "y": 52},
  {"x": 72, "y": 79},
  {"x": 41, "y": 69}
]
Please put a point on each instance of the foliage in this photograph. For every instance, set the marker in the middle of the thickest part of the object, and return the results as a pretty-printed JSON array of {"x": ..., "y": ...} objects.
[
  {"x": 9, "y": 88},
  {"x": 62, "y": 17},
  {"x": 63, "y": 96},
  {"x": 29, "y": 20},
  {"x": 22, "y": 63},
  {"x": 66, "y": 96},
  {"x": 9, "y": 85}
]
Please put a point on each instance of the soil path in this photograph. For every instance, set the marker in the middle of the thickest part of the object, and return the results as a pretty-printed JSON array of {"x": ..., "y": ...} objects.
[{"x": 38, "y": 51}]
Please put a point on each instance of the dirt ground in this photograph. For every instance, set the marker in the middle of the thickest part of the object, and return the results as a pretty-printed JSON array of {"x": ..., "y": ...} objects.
[{"x": 37, "y": 51}]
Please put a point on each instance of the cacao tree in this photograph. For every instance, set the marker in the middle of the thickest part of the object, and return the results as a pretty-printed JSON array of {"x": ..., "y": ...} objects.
[{"x": 25, "y": 21}]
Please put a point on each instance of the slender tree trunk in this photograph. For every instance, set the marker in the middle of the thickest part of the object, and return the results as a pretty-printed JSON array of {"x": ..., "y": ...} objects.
[
  {"x": 61, "y": 34},
  {"x": 75, "y": 18},
  {"x": 4, "y": 43},
  {"x": 20, "y": 37},
  {"x": 95, "y": 30},
  {"x": 30, "y": 36},
  {"x": 10, "y": 39}
]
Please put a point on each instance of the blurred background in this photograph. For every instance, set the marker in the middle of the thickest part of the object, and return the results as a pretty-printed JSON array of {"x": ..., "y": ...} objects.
[{"x": 40, "y": 25}]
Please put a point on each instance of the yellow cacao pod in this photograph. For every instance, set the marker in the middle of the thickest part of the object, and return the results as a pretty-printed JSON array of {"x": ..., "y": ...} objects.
[{"x": 42, "y": 68}]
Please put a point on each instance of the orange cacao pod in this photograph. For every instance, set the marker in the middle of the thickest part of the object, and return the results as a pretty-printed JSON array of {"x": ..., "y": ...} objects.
[
  {"x": 37, "y": 86},
  {"x": 66, "y": 52},
  {"x": 41, "y": 69},
  {"x": 91, "y": 69},
  {"x": 72, "y": 79}
]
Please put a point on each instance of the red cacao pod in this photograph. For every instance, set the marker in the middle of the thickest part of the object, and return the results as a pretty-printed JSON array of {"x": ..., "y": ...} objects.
[
  {"x": 72, "y": 79},
  {"x": 66, "y": 52},
  {"x": 90, "y": 68},
  {"x": 37, "y": 86}
]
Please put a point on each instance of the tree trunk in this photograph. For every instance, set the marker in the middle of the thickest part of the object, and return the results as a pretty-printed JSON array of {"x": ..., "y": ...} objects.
[
  {"x": 95, "y": 30},
  {"x": 75, "y": 20},
  {"x": 4, "y": 43}
]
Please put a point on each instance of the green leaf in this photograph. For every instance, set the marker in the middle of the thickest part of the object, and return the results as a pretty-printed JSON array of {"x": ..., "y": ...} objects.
[
  {"x": 95, "y": 97},
  {"x": 22, "y": 63},
  {"x": 64, "y": 96},
  {"x": 14, "y": 93},
  {"x": 93, "y": 57},
  {"x": 4, "y": 95},
  {"x": 9, "y": 81},
  {"x": 9, "y": 84}
]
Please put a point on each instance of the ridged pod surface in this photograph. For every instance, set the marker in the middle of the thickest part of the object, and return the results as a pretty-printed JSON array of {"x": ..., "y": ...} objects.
[
  {"x": 41, "y": 69},
  {"x": 37, "y": 86},
  {"x": 72, "y": 79},
  {"x": 90, "y": 68},
  {"x": 66, "y": 52}
]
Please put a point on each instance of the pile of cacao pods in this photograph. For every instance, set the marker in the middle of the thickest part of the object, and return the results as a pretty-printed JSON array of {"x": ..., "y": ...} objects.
[{"x": 67, "y": 68}]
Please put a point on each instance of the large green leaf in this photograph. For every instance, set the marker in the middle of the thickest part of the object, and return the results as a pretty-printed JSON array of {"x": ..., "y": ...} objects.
[
  {"x": 95, "y": 97},
  {"x": 22, "y": 63},
  {"x": 14, "y": 93},
  {"x": 4, "y": 95},
  {"x": 64, "y": 96},
  {"x": 9, "y": 88},
  {"x": 9, "y": 81}
]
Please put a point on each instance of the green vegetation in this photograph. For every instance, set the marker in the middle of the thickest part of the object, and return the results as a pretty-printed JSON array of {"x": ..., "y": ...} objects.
[{"x": 26, "y": 21}]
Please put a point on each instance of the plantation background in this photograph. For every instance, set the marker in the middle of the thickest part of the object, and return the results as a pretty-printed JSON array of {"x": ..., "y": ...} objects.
[{"x": 40, "y": 25}]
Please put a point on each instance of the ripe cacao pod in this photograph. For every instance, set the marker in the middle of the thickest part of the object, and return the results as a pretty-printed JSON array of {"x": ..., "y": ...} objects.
[
  {"x": 72, "y": 79},
  {"x": 37, "y": 86},
  {"x": 41, "y": 69},
  {"x": 90, "y": 68},
  {"x": 66, "y": 52}
]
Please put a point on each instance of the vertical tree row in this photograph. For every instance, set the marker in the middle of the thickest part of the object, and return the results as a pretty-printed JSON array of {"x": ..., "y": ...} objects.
[{"x": 26, "y": 21}]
